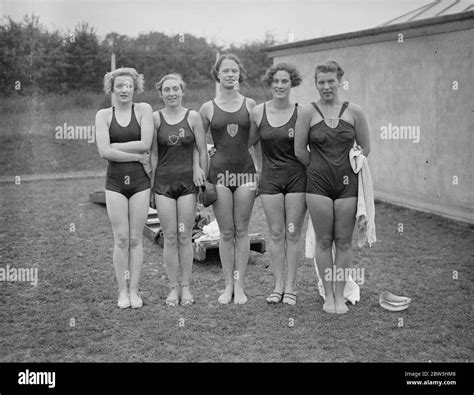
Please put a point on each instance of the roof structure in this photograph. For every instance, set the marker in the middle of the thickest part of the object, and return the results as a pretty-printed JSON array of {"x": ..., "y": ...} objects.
[{"x": 433, "y": 9}]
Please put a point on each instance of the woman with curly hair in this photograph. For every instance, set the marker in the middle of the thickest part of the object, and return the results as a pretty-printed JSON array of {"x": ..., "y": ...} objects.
[
  {"x": 124, "y": 134},
  {"x": 282, "y": 184}
]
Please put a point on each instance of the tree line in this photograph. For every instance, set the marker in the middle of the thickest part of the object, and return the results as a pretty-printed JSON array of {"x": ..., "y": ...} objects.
[{"x": 34, "y": 59}]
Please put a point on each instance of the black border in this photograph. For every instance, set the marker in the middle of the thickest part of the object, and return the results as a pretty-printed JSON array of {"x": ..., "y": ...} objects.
[{"x": 289, "y": 378}]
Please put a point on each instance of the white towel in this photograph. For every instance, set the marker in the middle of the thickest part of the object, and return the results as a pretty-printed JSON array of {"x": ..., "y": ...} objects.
[
  {"x": 365, "y": 216},
  {"x": 211, "y": 232},
  {"x": 351, "y": 290}
]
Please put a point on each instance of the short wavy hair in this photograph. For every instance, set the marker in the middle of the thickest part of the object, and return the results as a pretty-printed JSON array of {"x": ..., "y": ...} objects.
[
  {"x": 295, "y": 75},
  {"x": 229, "y": 56},
  {"x": 330, "y": 66},
  {"x": 138, "y": 79},
  {"x": 172, "y": 76}
]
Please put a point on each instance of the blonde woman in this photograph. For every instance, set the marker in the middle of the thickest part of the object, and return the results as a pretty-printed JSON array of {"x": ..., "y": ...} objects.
[{"x": 124, "y": 133}]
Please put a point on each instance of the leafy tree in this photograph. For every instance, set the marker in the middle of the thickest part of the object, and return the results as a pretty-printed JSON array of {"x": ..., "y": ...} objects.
[
  {"x": 84, "y": 60},
  {"x": 44, "y": 61}
]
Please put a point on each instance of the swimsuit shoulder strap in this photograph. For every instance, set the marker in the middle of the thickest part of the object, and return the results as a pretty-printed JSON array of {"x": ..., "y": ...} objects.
[
  {"x": 295, "y": 112},
  {"x": 162, "y": 118},
  {"x": 113, "y": 121},
  {"x": 244, "y": 105},
  {"x": 264, "y": 115},
  {"x": 343, "y": 108},
  {"x": 187, "y": 121},
  {"x": 133, "y": 114},
  {"x": 317, "y": 109}
]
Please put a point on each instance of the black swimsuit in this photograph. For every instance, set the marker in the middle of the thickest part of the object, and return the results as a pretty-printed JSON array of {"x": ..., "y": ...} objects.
[
  {"x": 231, "y": 165},
  {"x": 282, "y": 172},
  {"x": 174, "y": 172},
  {"x": 127, "y": 178},
  {"x": 330, "y": 173}
]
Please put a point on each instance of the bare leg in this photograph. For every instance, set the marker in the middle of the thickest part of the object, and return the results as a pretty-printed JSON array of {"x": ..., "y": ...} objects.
[
  {"x": 166, "y": 208},
  {"x": 321, "y": 209},
  {"x": 223, "y": 211},
  {"x": 117, "y": 210},
  {"x": 274, "y": 207},
  {"x": 137, "y": 213},
  {"x": 244, "y": 197},
  {"x": 186, "y": 214},
  {"x": 295, "y": 208},
  {"x": 345, "y": 211}
]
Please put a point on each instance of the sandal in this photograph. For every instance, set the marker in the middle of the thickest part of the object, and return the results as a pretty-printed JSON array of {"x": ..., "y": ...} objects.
[
  {"x": 172, "y": 302},
  {"x": 289, "y": 298},
  {"x": 186, "y": 301},
  {"x": 275, "y": 298}
]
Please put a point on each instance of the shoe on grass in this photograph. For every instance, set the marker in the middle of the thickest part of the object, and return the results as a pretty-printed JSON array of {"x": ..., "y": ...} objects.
[
  {"x": 275, "y": 298},
  {"x": 289, "y": 298}
]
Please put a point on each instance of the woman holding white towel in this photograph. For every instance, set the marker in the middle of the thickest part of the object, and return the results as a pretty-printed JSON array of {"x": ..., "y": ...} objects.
[{"x": 330, "y": 127}]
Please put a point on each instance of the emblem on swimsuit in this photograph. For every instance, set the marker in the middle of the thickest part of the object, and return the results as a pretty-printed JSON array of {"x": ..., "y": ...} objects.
[
  {"x": 173, "y": 139},
  {"x": 232, "y": 129},
  {"x": 291, "y": 132}
]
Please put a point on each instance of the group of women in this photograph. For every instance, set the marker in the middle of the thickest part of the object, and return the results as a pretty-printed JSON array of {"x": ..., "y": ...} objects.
[{"x": 294, "y": 157}]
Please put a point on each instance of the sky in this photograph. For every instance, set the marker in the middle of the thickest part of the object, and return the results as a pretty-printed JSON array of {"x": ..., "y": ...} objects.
[{"x": 219, "y": 21}]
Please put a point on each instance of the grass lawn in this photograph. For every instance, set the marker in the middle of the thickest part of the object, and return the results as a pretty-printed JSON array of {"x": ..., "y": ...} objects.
[{"x": 76, "y": 283}]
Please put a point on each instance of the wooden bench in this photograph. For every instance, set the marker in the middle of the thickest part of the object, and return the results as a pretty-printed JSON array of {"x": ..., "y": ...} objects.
[{"x": 152, "y": 231}]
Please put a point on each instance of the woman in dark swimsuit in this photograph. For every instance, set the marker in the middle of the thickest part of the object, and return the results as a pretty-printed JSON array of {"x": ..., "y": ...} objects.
[
  {"x": 232, "y": 171},
  {"x": 282, "y": 184},
  {"x": 127, "y": 187},
  {"x": 178, "y": 131},
  {"x": 330, "y": 128}
]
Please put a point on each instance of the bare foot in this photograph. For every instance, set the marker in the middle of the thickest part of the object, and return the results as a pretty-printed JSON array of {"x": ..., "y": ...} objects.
[
  {"x": 123, "y": 300},
  {"x": 226, "y": 296},
  {"x": 329, "y": 306},
  {"x": 186, "y": 296},
  {"x": 135, "y": 300},
  {"x": 239, "y": 295},
  {"x": 173, "y": 297},
  {"x": 341, "y": 307}
]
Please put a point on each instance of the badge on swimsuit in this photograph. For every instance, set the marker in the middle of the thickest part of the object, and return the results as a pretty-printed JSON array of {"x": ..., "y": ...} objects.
[
  {"x": 232, "y": 129},
  {"x": 173, "y": 139}
]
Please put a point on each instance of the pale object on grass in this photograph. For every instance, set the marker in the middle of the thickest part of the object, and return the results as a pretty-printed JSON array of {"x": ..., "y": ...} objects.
[
  {"x": 211, "y": 231},
  {"x": 392, "y": 302},
  {"x": 351, "y": 290}
]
